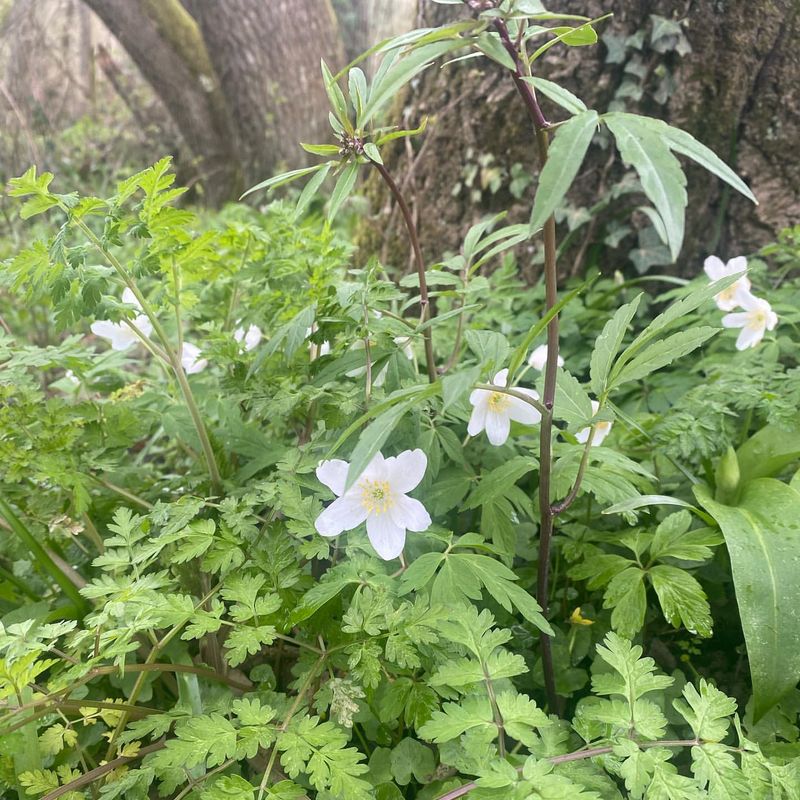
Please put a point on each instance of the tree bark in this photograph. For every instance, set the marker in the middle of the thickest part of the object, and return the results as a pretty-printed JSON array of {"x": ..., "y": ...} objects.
[
  {"x": 737, "y": 91},
  {"x": 267, "y": 56},
  {"x": 166, "y": 45}
]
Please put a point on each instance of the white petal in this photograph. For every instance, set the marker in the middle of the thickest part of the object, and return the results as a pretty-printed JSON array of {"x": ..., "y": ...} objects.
[
  {"x": 376, "y": 469},
  {"x": 538, "y": 357},
  {"x": 343, "y": 514},
  {"x": 324, "y": 348},
  {"x": 252, "y": 337},
  {"x": 406, "y": 470},
  {"x": 410, "y": 514},
  {"x": 386, "y": 537},
  {"x": 738, "y": 320},
  {"x": 477, "y": 421},
  {"x": 595, "y": 406},
  {"x": 749, "y": 337},
  {"x": 143, "y": 324},
  {"x": 333, "y": 474},
  {"x": 583, "y": 435},
  {"x": 104, "y": 328},
  {"x": 497, "y": 427},
  {"x": 714, "y": 268},
  {"x": 734, "y": 265},
  {"x": 501, "y": 379},
  {"x": 523, "y": 412},
  {"x": 129, "y": 297},
  {"x": 601, "y": 431},
  {"x": 747, "y": 299},
  {"x": 479, "y": 396},
  {"x": 190, "y": 359},
  {"x": 772, "y": 320}
]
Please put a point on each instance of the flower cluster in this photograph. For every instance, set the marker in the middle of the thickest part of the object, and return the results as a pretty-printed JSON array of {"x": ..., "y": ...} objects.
[{"x": 757, "y": 316}]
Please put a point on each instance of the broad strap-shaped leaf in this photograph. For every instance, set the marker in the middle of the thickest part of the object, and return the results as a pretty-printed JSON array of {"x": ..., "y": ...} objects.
[
  {"x": 659, "y": 171},
  {"x": 566, "y": 155},
  {"x": 767, "y": 452},
  {"x": 763, "y": 541},
  {"x": 344, "y": 186},
  {"x": 608, "y": 344}
]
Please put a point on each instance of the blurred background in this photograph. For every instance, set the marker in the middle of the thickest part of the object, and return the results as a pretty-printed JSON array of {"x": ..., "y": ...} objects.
[{"x": 95, "y": 89}]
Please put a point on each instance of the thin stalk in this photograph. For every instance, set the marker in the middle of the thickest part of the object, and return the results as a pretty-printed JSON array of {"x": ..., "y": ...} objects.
[
  {"x": 541, "y": 126},
  {"x": 498, "y": 717},
  {"x": 41, "y": 557},
  {"x": 173, "y": 357},
  {"x": 424, "y": 300},
  {"x": 578, "y": 755},
  {"x": 99, "y": 772},
  {"x": 559, "y": 508}
]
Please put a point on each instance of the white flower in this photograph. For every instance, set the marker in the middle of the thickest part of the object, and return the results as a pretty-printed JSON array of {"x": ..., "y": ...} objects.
[
  {"x": 72, "y": 378},
  {"x": 190, "y": 359},
  {"x": 120, "y": 334},
  {"x": 317, "y": 351},
  {"x": 493, "y": 411},
  {"x": 251, "y": 337},
  {"x": 377, "y": 497},
  {"x": 726, "y": 300},
  {"x": 538, "y": 358},
  {"x": 756, "y": 318},
  {"x": 406, "y": 344},
  {"x": 601, "y": 429}
]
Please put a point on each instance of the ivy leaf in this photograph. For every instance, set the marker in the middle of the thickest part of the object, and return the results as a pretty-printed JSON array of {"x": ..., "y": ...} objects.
[
  {"x": 708, "y": 711},
  {"x": 682, "y": 599}
]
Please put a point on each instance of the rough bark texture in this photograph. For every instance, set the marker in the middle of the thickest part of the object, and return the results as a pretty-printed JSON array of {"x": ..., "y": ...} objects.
[
  {"x": 166, "y": 45},
  {"x": 737, "y": 91},
  {"x": 267, "y": 56},
  {"x": 364, "y": 23}
]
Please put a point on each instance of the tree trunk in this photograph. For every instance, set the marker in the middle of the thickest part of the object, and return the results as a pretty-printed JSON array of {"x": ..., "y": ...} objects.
[
  {"x": 166, "y": 45},
  {"x": 267, "y": 56},
  {"x": 730, "y": 79},
  {"x": 364, "y": 23}
]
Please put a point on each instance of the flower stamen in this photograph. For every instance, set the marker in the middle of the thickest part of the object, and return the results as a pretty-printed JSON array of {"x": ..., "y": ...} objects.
[{"x": 376, "y": 496}]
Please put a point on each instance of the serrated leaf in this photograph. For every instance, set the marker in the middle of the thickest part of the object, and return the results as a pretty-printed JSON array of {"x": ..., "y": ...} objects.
[
  {"x": 682, "y": 599},
  {"x": 571, "y": 404},
  {"x": 707, "y": 710},
  {"x": 659, "y": 171},
  {"x": 608, "y": 344},
  {"x": 565, "y": 157}
]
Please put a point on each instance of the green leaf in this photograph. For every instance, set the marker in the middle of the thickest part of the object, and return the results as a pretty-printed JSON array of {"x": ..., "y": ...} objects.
[
  {"x": 767, "y": 452},
  {"x": 659, "y": 171},
  {"x": 682, "y": 599},
  {"x": 763, "y": 541},
  {"x": 411, "y": 758},
  {"x": 564, "y": 159},
  {"x": 335, "y": 95},
  {"x": 388, "y": 83},
  {"x": 490, "y": 45},
  {"x": 558, "y": 94},
  {"x": 495, "y": 483},
  {"x": 646, "y": 500},
  {"x": 635, "y": 675},
  {"x": 310, "y": 190},
  {"x": 716, "y": 769},
  {"x": 660, "y": 354},
  {"x": 457, "y": 386},
  {"x": 685, "y": 144},
  {"x": 673, "y": 539},
  {"x": 521, "y": 353},
  {"x": 344, "y": 186},
  {"x": 454, "y": 720},
  {"x": 626, "y": 595},
  {"x": 608, "y": 344},
  {"x": 707, "y": 710},
  {"x": 284, "y": 177},
  {"x": 571, "y": 404}
]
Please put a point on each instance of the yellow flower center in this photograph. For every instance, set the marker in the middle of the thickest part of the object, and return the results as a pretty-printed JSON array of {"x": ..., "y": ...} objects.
[
  {"x": 498, "y": 401},
  {"x": 376, "y": 496},
  {"x": 757, "y": 319}
]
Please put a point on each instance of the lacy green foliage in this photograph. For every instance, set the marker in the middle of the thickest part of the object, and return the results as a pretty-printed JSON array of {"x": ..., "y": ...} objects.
[{"x": 227, "y": 650}]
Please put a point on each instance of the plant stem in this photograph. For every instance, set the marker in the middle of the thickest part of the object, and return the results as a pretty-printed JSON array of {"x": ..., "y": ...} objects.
[
  {"x": 424, "y": 301},
  {"x": 173, "y": 356},
  {"x": 578, "y": 755},
  {"x": 558, "y": 508},
  {"x": 41, "y": 557}
]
